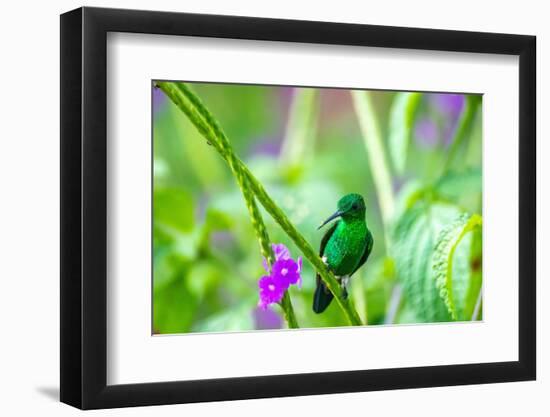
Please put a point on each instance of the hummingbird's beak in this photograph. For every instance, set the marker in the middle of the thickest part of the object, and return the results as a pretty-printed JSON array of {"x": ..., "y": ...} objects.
[{"x": 335, "y": 215}]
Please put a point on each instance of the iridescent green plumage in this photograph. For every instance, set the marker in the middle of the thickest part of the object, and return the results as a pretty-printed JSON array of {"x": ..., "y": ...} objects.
[{"x": 345, "y": 247}]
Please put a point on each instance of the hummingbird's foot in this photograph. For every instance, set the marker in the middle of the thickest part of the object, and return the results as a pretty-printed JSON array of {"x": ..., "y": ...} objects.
[{"x": 325, "y": 260}]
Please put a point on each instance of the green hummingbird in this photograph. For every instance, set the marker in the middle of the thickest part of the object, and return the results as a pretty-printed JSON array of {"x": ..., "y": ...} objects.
[{"x": 345, "y": 247}]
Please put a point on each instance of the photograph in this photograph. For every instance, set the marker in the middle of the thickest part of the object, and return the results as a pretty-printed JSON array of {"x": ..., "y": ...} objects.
[{"x": 278, "y": 207}]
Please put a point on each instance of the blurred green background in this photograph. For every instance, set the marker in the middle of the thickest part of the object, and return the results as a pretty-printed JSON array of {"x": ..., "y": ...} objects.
[{"x": 306, "y": 147}]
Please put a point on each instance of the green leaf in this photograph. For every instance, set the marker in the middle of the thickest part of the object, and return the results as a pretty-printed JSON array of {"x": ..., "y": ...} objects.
[
  {"x": 454, "y": 183},
  {"x": 173, "y": 207},
  {"x": 203, "y": 277},
  {"x": 463, "y": 188},
  {"x": 415, "y": 236},
  {"x": 167, "y": 264},
  {"x": 218, "y": 220},
  {"x": 401, "y": 121},
  {"x": 409, "y": 194},
  {"x": 215, "y": 221},
  {"x": 446, "y": 246},
  {"x": 473, "y": 296},
  {"x": 174, "y": 307}
]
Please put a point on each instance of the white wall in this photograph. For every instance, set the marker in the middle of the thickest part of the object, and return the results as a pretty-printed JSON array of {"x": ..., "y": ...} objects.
[{"x": 29, "y": 173}]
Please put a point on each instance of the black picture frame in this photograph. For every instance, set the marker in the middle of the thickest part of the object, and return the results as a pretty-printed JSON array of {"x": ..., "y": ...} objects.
[{"x": 84, "y": 207}]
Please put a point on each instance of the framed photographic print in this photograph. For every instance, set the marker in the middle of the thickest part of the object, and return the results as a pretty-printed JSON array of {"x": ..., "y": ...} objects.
[{"x": 257, "y": 207}]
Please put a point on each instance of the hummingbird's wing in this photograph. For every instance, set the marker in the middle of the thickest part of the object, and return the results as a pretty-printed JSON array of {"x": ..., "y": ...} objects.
[
  {"x": 326, "y": 237},
  {"x": 366, "y": 253}
]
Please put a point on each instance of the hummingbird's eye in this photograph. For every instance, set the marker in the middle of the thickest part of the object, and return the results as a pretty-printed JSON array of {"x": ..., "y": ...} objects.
[{"x": 355, "y": 206}]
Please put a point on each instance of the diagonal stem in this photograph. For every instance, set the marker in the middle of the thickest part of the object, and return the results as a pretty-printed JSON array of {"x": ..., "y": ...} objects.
[
  {"x": 309, "y": 253},
  {"x": 221, "y": 143},
  {"x": 205, "y": 123},
  {"x": 288, "y": 311}
]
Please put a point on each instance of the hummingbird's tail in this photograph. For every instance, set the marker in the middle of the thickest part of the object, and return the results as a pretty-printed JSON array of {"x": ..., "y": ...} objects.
[{"x": 322, "y": 296}]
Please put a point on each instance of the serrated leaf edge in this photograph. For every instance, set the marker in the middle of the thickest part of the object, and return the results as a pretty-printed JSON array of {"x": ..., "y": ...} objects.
[{"x": 444, "y": 250}]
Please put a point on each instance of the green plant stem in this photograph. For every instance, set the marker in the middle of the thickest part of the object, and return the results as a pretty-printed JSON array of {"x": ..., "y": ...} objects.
[
  {"x": 301, "y": 127},
  {"x": 258, "y": 224},
  {"x": 288, "y": 310},
  {"x": 286, "y": 303},
  {"x": 190, "y": 104},
  {"x": 216, "y": 137},
  {"x": 267, "y": 252},
  {"x": 307, "y": 250},
  {"x": 379, "y": 168}
]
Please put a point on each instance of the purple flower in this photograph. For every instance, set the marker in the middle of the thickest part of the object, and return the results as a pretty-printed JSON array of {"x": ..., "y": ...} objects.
[
  {"x": 426, "y": 132},
  {"x": 284, "y": 273},
  {"x": 450, "y": 104},
  {"x": 280, "y": 251},
  {"x": 271, "y": 290}
]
